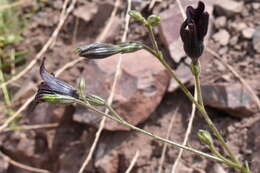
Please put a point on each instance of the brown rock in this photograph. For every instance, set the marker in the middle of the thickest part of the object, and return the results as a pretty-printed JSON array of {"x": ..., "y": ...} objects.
[
  {"x": 169, "y": 29},
  {"x": 140, "y": 89},
  {"x": 232, "y": 98}
]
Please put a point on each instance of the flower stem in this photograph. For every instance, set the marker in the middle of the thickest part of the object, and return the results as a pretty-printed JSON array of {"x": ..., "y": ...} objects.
[
  {"x": 198, "y": 104},
  {"x": 123, "y": 122},
  {"x": 206, "y": 116}
]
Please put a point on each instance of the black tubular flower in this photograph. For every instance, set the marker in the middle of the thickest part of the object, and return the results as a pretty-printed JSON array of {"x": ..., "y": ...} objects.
[
  {"x": 54, "y": 90},
  {"x": 194, "y": 29},
  {"x": 104, "y": 50}
]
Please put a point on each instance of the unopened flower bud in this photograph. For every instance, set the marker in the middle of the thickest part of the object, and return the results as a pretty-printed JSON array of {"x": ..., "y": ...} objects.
[
  {"x": 154, "y": 20},
  {"x": 82, "y": 87},
  {"x": 205, "y": 137},
  {"x": 95, "y": 100},
  {"x": 137, "y": 16},
  {"x": 98, "y": 50},
  {"x": 104, "y": 50}
]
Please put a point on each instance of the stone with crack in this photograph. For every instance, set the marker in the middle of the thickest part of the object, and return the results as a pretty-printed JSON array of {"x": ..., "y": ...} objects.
[{"x": 140, "y": 88}]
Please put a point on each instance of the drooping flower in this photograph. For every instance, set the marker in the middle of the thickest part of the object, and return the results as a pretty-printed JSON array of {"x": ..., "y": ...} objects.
[
  {"x": 104, "y": 50},
  {"x": 194, "y": 29},
  {"x": 54, "y": 90}
]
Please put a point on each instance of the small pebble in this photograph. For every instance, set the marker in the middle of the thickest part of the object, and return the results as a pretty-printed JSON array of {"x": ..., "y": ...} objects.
[
  {"x": 222, "y": 37},
  {"x": 220, "y": 22},
  {"x": 248, "y": 33}
]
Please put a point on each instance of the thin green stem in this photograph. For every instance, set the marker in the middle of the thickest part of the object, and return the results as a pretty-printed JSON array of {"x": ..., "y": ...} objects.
[
  {"x": 114, "y": 113},
  {"x": 227, "y": 161},
  {"x": 207, "y": 118},
  {"x": 123, "y": 122},
  {"x": 199, "y": 106},
  {"x": 197, "y": 82},
  {"x": 151, "y": 35},
  {"x": 4, "y": 88}
]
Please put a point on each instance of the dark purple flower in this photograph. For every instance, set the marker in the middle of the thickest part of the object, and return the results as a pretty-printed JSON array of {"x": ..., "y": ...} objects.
[
  {"x": 54, "y": 90},
  {"x": 194, "y": 29}
]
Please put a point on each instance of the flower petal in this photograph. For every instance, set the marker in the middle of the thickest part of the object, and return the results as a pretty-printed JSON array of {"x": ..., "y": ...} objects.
[{"x": 55, "y": 85}]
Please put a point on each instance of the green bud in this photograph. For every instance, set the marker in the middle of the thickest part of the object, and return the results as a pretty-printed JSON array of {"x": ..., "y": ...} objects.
[
  {"x": 195, "y": 69},
  {"x": 57, "y": 99},
  {"x": 154, "y": 20},
  {"x": 81, "y": 87},
  {"x": 205, "y": 137},
  {"x": 137, "y": 16},
  {"x": 96, "y": 100}
]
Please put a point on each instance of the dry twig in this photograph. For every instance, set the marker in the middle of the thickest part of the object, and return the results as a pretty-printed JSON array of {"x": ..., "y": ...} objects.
[
  {"x": 132, "y": 164},
  {"x": 187, "y": 133},
  {"x": 33, "y": 127},
  {"x": 167, "y": 137},
  {"x": 20, "y": 165}
]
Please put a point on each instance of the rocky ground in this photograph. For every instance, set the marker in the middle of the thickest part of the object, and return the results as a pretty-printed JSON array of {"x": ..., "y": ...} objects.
[{"x": 145, "y": 94}]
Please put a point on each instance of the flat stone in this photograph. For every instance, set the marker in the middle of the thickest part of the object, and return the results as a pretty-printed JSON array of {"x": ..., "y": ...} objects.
[
  {"x": 228, "y": 7},
  {"x": 141, "y": 86},
  {"x": 222, "y": 37},
  {"x": 256, "y": 39},
  {"x": 169, "y": 28},
  {"x": 232, "y": 98}
]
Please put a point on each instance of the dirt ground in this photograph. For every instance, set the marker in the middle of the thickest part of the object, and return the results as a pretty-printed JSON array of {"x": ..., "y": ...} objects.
[{"x": 63, "y": 148}]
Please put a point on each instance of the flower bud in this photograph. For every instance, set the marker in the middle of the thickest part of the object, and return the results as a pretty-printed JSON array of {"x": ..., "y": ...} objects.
[
  {"x": 205, "y": 137},
  {"x": 82, "y": 87},
  {"x": 98, "y": 50},
  {"x": 95, "y": 100},
  {"x": 154, "y": 20},
  {"x": 137, "y": 16},
  {"x": 104, "y": 50}
]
